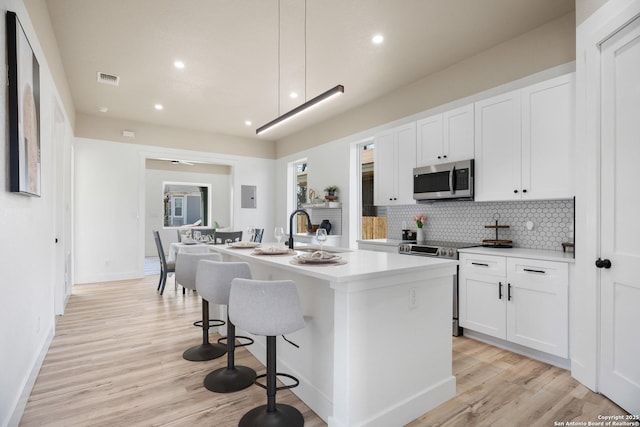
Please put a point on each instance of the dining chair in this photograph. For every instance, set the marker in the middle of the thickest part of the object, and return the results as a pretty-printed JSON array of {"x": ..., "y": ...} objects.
[
  {"x": 165, "y": 267},
  {"x": 257, "y": 235},
  {"x": 220, "y": 237}
]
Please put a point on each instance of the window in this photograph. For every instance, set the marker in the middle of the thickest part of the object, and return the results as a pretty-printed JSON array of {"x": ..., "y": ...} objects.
[
  {"x": 300, "y": 169},
  {"x": 186, "y": 204}
]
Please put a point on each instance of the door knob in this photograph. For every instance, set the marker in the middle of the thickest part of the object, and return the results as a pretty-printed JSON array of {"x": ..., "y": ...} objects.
[{"x": 603, "y": 263}]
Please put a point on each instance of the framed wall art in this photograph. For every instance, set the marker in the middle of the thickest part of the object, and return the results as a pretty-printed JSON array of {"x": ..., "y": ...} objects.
[{"x": 23, "y": 72}]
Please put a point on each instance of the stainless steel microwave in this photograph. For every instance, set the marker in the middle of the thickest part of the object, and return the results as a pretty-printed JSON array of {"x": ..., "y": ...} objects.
[{"x": 444, "y": 181}]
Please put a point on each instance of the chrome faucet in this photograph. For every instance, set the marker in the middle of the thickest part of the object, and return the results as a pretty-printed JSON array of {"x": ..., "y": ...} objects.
[{"x": 302, "y": 211}]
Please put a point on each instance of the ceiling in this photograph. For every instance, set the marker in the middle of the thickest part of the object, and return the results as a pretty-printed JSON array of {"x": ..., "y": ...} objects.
[{"x": 236, "y": 70}]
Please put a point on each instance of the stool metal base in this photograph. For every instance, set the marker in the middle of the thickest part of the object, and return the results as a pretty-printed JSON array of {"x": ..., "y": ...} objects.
[
  {"x": 226, "y": 380},
  {"x": 283, "y": 416},
  {"x": 202, "y": 352}
]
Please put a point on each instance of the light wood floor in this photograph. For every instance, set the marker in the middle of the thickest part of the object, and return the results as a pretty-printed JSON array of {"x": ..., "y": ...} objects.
[{"x": 116, "y": 360}]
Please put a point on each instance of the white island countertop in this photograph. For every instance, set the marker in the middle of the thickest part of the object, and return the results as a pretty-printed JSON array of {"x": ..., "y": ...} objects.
[
  {"x": 376, "y": 349},
  {"x": 360, "y": 264}
]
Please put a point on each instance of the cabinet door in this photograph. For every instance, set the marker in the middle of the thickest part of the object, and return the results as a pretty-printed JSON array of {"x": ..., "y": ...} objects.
[
  {"x": 385, "y": 168},
  {"x": 537, "y": 305},
  {"x": 430, "y": 141},
  {"x": 406, "y": 140},
  {"x": 497, "y": 148},
  {"x": 458, "y": 142},
  {"x": 481, "y": 305},
  {"x": 481, "y": 294},
  {"x": 395, "y": 158},
  {"x": 548, "y": 139}
]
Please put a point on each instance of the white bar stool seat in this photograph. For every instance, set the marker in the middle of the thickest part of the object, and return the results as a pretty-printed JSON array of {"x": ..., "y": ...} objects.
[
  {"x": 186, "y": 270},
  {"x": 213, "y": 283},
  {"x": 268, "y": 308}
]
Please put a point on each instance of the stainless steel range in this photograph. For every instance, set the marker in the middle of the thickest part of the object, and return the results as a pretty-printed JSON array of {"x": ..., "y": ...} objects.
[{"x": 448, "y": 250}]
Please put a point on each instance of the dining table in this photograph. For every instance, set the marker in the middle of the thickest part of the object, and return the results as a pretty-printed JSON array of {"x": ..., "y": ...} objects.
[{"x": 195, "y": 247}]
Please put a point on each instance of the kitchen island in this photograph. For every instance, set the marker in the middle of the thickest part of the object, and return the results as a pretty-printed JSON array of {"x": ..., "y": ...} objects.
[{"x": 376, "y": 349}]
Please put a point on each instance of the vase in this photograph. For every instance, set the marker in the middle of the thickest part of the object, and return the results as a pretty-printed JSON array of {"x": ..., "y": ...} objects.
[
  {"x": 326, "y": 225},
  {"x": 420, "y": 236}
]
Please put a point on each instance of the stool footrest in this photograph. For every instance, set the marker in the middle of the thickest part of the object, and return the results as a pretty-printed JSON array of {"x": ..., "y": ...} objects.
[
  {"x": 278, "y": 374},
  {"x": 238, "y": 337},
  {"x": 213, "y": 323}
]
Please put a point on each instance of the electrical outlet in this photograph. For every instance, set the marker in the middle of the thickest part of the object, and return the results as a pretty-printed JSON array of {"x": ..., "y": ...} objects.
[{"x": 413, "y": 297}]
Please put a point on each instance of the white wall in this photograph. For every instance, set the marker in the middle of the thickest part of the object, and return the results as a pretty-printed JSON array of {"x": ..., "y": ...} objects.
[
  {"x": 27, "y": 253},
  {"x": 110, "y": 203},
  {"x": 328, "y": 164},
  {"x": 220, "y": 203}
]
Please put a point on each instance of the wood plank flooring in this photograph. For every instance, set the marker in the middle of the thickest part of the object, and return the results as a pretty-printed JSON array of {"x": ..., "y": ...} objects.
[{"x": 116, "y": 360}]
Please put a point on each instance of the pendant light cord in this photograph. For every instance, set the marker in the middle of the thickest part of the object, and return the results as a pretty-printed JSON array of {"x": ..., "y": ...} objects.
[
  {"x": 279, "y": 30},
  {"x": 305, "y": 50}
]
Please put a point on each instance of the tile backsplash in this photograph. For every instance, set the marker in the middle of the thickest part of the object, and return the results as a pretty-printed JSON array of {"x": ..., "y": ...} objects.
[{"x": 463, "y": 221}]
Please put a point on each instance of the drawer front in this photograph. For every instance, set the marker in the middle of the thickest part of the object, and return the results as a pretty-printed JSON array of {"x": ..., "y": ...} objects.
[
  {"x": 483, "y": 265},
  {"x": 538, "y": 275}
]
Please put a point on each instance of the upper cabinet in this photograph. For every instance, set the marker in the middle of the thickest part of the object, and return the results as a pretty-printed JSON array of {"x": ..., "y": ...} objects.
[
  {"x": 395, "y": 154},
  {"x": 523, "y": 142},
  {"x": 446, "y": 137}
]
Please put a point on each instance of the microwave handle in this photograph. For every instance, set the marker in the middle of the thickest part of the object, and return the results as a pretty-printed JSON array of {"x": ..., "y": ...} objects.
[{"x": 452, "y": 180}]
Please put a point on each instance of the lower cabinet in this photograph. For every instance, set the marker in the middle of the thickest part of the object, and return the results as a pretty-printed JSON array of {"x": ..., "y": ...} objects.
[{"x": 521, "y": 300}]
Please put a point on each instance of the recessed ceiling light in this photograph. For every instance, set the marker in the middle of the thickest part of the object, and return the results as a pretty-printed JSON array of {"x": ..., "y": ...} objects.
[
  {"x": 103, "y": 109},
  {"x": 179, "y": 65},
  {"x": 158, "y": 107},
  {"x": 377, "y": 39},
  {"x": 293, "y": 95},
  {"x": 248, "y": 123}
]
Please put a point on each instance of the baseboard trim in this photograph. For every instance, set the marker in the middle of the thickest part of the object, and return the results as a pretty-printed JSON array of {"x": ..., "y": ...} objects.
[
  {"x": 27, "y": 388},
  {"x": 520, "y": 349}
]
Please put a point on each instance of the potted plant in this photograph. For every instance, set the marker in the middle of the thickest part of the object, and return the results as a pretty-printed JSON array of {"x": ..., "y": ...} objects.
[{"x": 331, "y": 192}]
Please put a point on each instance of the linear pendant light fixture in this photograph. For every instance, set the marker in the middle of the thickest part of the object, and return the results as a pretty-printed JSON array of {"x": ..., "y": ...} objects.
[{"x": 338, "y": 90}]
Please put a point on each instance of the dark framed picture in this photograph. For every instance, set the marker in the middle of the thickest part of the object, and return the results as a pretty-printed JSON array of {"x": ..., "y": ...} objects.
[{"x": 23, "y": 72}]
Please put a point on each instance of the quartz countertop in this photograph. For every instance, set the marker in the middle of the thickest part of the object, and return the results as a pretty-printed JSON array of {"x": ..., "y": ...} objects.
[
  {"x": 522, "y": 253},
  {"x": 386, "y": 242},
  {"x": 361, "y": 264}
]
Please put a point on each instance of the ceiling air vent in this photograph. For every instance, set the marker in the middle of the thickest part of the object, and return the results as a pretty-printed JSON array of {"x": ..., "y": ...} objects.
[{"x": 108, "y": 79}]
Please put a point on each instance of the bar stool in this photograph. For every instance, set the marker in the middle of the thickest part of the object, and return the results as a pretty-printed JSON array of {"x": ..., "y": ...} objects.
[
  {"x": 186, "y": 270},
  {"x": 213, "y": 283},
  {"x": 268, "y": 308}
]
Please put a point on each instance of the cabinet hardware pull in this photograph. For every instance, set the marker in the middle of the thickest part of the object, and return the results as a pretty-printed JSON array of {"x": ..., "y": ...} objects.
[
  {"x": 508, "y": 291},
  {"x": 499, "y": 290},
  {"x": 535, "y": 271},
  {"x": 481, "y": 264}
]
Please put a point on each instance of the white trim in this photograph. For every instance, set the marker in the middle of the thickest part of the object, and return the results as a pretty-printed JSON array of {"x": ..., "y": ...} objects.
[{"x": 30, "y": 380}]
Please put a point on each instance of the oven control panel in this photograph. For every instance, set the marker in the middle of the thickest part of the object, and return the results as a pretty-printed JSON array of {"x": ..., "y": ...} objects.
[{"x": 428, "y": 250}]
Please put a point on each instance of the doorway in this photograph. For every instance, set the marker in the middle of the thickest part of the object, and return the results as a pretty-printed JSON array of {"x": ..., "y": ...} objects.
[{"x": 373, "y": 218}]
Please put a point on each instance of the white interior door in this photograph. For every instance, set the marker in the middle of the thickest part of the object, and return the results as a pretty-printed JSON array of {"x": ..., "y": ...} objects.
[{"x": 620, "y": 222}]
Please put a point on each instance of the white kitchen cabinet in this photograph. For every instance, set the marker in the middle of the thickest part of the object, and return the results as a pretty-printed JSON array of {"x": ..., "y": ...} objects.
[
  {"x": 523, "y": 142},
  {"x": 498, "y": 148},
  {"x": 446, "y": 137},
  {"x": 481, "y": 285},
  {"x": 520, "y": 300},
  {"x": 548, "y": 138},
  {"x": 395, "y": 158}
]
